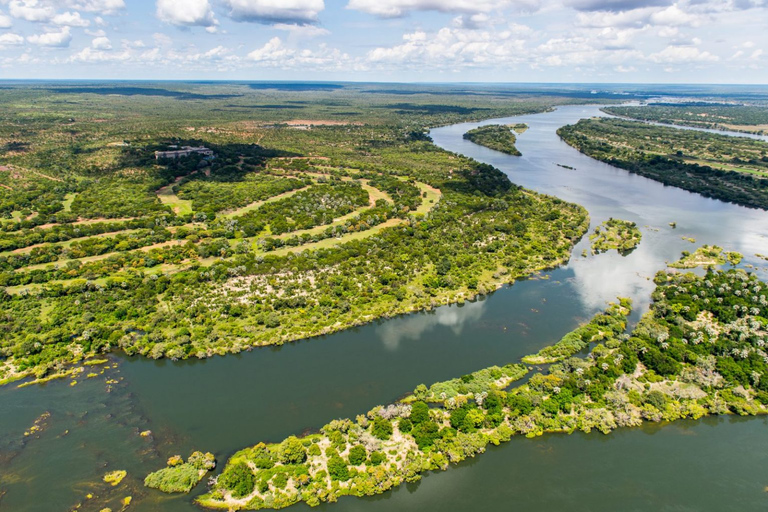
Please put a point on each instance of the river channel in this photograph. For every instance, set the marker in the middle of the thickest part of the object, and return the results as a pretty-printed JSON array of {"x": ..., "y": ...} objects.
[{"x": 226, "y": 403}]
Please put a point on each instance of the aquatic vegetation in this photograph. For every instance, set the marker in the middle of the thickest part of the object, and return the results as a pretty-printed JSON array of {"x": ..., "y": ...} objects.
[
  {"x": 622, "y": 235},
  {"x": 181, "y": 476},
  {"x": 700, "y": 350},
  {"x": 115, "y": 477},
  {"x": 495, "y": 136}
]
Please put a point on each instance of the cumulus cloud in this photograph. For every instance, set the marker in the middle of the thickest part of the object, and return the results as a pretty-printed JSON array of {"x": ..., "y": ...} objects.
[
  {"x": 187, "y": 13},
  {"x": 101, "y": 43},
  {"x": 275, "y": 11},
  {"x": 302, "y": 31},
  {"x": 10, "y": 39},
  {"x": 94, "y": 55},
  {"x": 615, "y": 5},
  {"x": 5, "y": 21},
  {"x": 70, "y": 19},
  {"x": 396, "y": 8},
  {"x": 31, "y": 10},
  {"x": 100, "y": 6},
  {"x": 456, "y": 46},
  {"x": 681, "y": 55},
  {"x": 60, "y": 39},
  {"x": 275, "y": 53}
]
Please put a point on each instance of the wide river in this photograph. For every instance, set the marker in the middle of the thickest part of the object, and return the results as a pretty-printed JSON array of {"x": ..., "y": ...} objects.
[{"x": 226, "y": 403}]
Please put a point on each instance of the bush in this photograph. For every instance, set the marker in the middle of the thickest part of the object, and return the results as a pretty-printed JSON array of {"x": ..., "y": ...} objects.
[
  {"x": 377, "y": 458},
  {"x": 382, "y": 428},
  {"x": 357, "y": 455},
  {"x": 337, "y": 468},
  {"x": 292, "y": 451},
  {"x": 239, "y": 479}
]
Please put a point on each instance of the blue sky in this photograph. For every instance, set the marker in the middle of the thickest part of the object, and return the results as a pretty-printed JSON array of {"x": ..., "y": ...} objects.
[{"x": 688, "y": 41}]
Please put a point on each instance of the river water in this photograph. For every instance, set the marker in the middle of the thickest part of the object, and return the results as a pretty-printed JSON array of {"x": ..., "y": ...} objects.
[{"x": 226, "y": 403}]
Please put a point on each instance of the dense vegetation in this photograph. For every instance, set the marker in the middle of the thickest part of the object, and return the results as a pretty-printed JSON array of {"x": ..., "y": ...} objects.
[
  {"x": 622, "y": 235},
  {"x": 700, "y": 350},
  {"x": 494, "y": 136},
  {"x": 297, "y": 227},
  {"x": 180, "y": 476},
  {"x": 733, "y": 117},
  {"x": 606, "y": 325},
  {"x": 731, "y": 169}
]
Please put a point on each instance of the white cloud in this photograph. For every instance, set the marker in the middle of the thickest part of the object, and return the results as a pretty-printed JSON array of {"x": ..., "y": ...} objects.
[
  {"x": 452, "y": 47},
  {"x": 10, "y": 39},
  {"x": 682, "y": 55},
  {"x": 302, "y": 31},
  {"x": 31, "y": 10},
  {"x": 91, "y": 55},
  {"x": 275, "y": 11},
  {"x": 186, "y": 12},
  {"x": 100, "y": 6},
  {"x": 59, "y": 39},
  {"x": 70, "y": 19},
  {"x": 5, "y": 21},
  {"x": 673, "y": 16},
  {"x": 275, "y": 53},
  {"x": 396, "y": 8},
  {"x": 96, "y": 33},
  {"x": 101, "y": 43}
]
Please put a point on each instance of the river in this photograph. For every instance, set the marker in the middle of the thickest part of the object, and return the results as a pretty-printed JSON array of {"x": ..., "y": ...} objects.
[{"x": 226, "y": 403}]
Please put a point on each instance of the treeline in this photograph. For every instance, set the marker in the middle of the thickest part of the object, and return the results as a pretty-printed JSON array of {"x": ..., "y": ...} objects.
[{"x": 607, "y": 141}]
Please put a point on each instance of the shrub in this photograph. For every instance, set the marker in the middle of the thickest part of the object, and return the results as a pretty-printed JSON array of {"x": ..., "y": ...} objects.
[{"x": 357, "y": 455}]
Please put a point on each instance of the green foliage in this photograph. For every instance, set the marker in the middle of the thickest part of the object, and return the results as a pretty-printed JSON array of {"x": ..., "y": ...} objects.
[
  {"x": 292, "y": 451},
  {"x": 357, "y": 455},
  {"x": 382, "y": 428},
  {"x": 494, "y": 136},
  {"x": 718, "y": 166},
  {"x": 337, "y": 468},
  {"x": 605, "y": 325},
  {"x": 622, "y": 235},
  {"x": 239, "y": 479}
]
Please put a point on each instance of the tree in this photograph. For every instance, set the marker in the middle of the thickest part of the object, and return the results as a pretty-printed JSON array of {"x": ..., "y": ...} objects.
[
  {"x": 382, "y": 428},
  {"x": 357, "y": 455},
  {"x": 292, "y": 451}
]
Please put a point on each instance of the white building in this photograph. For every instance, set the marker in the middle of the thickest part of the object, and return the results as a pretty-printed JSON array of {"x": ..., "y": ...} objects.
[{"x": 184, "y": 151}]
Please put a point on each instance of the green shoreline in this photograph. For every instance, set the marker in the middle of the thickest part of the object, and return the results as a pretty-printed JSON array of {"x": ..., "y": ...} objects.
[{"x": 688, "y": 357}]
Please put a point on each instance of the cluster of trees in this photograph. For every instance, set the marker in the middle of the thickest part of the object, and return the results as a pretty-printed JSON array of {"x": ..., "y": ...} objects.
[
  {"x": 671, "y": 366},
  {"x": 318, "y": 205},
  {"x": 180, "y": 476},
  {"x": 494, "y": 136},
  {"x": 611, "y": 323},
  {"x": 622, "y": 235},
  {"x": 727, "y": 168},
  {"x": 745, "y": 118}
]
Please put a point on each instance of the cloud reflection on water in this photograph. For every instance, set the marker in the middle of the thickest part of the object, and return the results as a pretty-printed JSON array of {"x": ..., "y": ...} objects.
[{"x": 412, "y": 327}]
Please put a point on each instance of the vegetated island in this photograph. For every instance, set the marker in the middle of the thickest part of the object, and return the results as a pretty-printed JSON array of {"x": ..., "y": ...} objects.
[
  {"x": 609, "y": 324},
  {"x": 209, "y": 229},
  {"x": 732, "y": 169},
  {"x": 723, "y": 116},
  {"x": 700, "y": 350},
  {"x": 706, "y": 256},
  {"x": 180, "y": 476},
  {"x": 622, "y": 235},
  {"x": 495, "y": 136}
]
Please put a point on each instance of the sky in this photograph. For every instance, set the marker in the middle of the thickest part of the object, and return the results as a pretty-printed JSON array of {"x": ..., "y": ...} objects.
[{"x": 594, "y": 41}]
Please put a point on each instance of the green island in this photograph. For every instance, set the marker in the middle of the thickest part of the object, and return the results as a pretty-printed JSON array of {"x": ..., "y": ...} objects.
[
  {"x": 731, "y": 169},
  {"x": 497, "y": 137},
  {"x": 699, "y": 351},
  {"x": 180, "y": 476},
  {"x": 706, "y": 256},
  {"x": 723, "y": 116},
  {"x": 269, "y": 226},
  {"x": 609, "y": 324},
  {"x": 622, "y": 235}
]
